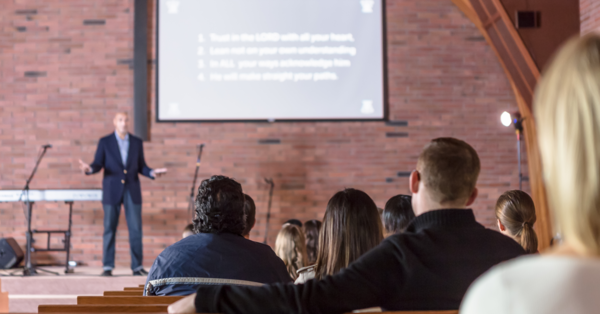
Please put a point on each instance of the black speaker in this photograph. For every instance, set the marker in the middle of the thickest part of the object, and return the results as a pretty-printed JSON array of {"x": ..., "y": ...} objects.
[
  {"x": 528, "y": 19},
  {"x": 11, "y": 254}
]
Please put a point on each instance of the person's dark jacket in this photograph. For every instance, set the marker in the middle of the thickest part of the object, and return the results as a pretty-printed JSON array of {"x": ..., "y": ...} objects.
[
  {"x": 118, "y": 177},
  {"x": 429, "y": 267},
  {"x": 214, "y": 259}
]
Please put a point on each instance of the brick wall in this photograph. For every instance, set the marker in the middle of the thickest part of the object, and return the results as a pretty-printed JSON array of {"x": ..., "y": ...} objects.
[
  {"x": 590, "y": 16},
  {"x": 64, "y": 72}
]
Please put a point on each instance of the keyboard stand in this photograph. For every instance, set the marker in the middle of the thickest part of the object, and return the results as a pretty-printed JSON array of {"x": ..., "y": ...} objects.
[{"x": 30, "y": 270}]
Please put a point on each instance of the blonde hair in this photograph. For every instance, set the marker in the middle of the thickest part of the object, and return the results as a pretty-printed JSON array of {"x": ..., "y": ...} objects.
[
  {"x": 290, "y": 246},
  {"x": 516, "y": 211},
  {"x": 567, "y": 113}
]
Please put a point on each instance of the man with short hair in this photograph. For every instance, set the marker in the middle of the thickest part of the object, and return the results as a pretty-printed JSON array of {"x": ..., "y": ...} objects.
[
  {"x": 121, "y": 155},
  {"x": 218, "y": 253},
  {"x": 250, "y": 214},
  {"x": 428, "y": 267}
]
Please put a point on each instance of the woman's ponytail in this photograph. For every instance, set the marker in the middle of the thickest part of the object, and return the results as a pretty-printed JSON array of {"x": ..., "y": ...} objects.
[
  {"x": 529, "y": 240},
  {"x": 516, "y": 211}
]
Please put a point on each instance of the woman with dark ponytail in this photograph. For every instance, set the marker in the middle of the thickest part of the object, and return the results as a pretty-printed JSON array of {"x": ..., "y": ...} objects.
[{"x": 516, "y": 215}]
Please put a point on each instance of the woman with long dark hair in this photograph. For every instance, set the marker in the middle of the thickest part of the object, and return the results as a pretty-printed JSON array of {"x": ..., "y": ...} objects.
[
  {"x": 311, "y": 233},
  {"x": 351, "y": 227}
]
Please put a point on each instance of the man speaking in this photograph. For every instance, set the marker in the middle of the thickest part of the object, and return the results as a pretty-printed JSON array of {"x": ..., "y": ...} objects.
[{"x": 122, "y": 157}]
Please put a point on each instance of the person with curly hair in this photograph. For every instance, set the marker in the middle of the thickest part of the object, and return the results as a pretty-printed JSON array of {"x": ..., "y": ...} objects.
[{"x": 218, "y": 253}]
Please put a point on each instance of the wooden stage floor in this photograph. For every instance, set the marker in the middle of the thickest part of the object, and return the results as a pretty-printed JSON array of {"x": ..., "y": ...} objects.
[{"x": 26, "y": 293}]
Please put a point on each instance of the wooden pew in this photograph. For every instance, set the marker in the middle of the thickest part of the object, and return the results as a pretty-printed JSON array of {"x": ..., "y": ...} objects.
[
  {"x": 159, "y": 309},
  {"x": 3, "y": 300},
  {"x": 88, "y": 300},
  {"x": 123, "y": 293},
  {"x": 133, "y": 289},
  {"x": 420, "y": 312},
  {"x": 97, "y": 308}
]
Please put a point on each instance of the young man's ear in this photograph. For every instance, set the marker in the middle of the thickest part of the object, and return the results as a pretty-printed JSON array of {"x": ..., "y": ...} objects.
[
  {"x": 472, "y": 198},
  {"x": 414, "y": 180}
]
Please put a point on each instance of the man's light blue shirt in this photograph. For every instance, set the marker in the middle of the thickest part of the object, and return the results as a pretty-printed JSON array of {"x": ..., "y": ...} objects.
[{"x": 123, "y": 147}]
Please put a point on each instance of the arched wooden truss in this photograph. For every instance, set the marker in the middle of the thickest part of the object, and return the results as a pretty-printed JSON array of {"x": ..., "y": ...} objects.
[{"x": 497, "y": 28}]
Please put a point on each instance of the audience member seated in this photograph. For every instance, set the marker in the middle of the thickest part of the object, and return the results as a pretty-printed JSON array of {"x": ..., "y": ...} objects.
[
  {"x": 515, "y": 213},
  {"x": 294, "y": 222},
  {"x": 428, "y": 267},
  {"x": 351, "y": 227},
  {"x": 290, "y": 246},
  {"x": 250, "y": 214},
  {"x": 398, "y": 213},
  {"x": 567, "y": 278},
  {"x": 188, "y": 231},
  {"x": 311, "y": 233},
  {"x": 217, "y": 253}
]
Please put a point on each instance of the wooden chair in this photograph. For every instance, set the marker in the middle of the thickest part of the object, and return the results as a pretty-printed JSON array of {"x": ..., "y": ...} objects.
[
  {"x": 89, "y": 300},
  {"x": 96, "y": 308},
  {"x": 123, "y": 293}
]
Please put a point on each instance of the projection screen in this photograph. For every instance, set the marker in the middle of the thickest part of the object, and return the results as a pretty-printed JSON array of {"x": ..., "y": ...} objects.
[{"x": 273, "y": 60}]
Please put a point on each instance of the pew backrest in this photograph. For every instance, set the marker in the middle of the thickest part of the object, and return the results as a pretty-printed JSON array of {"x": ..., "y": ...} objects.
[
  {"x": 88, "y": 300},
  {"x": 123, "y": 293},
  {"x": 95, "y": 308}
]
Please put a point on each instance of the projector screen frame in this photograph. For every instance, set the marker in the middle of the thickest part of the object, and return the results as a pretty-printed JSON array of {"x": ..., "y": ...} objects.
[{"x": 384, "y": 72}]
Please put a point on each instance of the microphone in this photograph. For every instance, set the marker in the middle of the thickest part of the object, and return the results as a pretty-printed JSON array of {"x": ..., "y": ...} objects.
[
  {"x": 46, "y": 146},
  {"x": 199, "y": 154}
]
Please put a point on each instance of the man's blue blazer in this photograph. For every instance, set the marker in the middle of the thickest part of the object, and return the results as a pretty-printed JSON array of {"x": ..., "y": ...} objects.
[{"x": 117, "y": 177}]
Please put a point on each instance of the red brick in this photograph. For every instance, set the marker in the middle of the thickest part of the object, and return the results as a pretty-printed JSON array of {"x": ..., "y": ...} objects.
[{"x": 440, "y": 82}]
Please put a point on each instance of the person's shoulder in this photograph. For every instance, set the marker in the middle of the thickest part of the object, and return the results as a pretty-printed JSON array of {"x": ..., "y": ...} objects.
[
  {"x": 502, "y": 241},
  {"x": 486, "y": 294},
  {"x": 257, "y": 246},
  {"x": 133, "y": 138},
  {"x": 192, "y": 241},
  {"x": 490, "y": 293},
  {"x": 306, "y": 269},
  {"x": 403, "y": 238},
  {"x": 305, "y": 274},
  {"x": 107, "y": 137},
  {"x": 512, "y": 274},
  {"x": 536, "y": 281}
]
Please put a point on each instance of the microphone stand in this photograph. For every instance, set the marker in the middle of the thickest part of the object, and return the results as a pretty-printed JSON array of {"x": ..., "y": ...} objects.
[
  {"x": 271, "y": 187},
  {"x": 518, "y": 123},
  {"x": 29, "y": 270},
  {"x": 192, "y": 192}
]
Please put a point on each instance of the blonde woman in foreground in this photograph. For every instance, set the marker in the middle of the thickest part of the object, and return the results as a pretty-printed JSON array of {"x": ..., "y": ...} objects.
[{"x": 566, "y": 279}]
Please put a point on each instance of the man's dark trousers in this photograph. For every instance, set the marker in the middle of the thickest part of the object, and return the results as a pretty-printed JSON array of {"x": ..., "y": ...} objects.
[{"x": 133, "y": 215}]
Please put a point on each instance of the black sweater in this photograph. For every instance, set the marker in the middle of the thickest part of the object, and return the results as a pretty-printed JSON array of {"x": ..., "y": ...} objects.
[{"x": 429, "y": 267}]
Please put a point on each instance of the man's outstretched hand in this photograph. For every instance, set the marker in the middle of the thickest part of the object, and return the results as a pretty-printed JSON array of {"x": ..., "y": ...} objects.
[
  {"x": 85, "y": 168},
  {"x": 159, "y": 172},
  {"x": 185, "y": 305}
]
